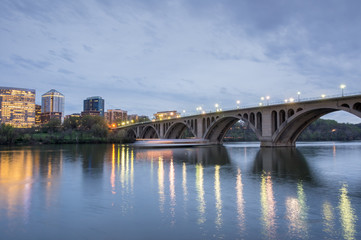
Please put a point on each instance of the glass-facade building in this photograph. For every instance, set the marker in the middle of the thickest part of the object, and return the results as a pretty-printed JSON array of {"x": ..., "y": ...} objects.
[
  {"x": 17, "y": 107},
  {"x": 52, "y": 101},
  {"x": 95, "y": 103}
]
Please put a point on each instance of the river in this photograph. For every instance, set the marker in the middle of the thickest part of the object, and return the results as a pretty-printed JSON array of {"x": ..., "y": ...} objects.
[{"x": 235, "y": 191}]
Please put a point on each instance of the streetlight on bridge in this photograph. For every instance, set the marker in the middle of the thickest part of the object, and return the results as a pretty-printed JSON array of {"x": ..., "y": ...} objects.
[
  {"x": 267, "y": 98},
  {"x": 238, "y": 102},
  {"x": 216, "y": 105},
  {"x": 342, "y": 86},
  {"x": 298, "y": 95}
]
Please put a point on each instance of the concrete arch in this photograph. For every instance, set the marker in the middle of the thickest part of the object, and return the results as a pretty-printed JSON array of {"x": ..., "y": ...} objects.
[
  {"x": 176, "y": 130},
  {"x": 132, "y": 133},
  {"x": 357, "y": 106},
  {"x": 149, "y": 132},
  {"x": 289, "y": 131},
  {"x": 216, "y": 132}
]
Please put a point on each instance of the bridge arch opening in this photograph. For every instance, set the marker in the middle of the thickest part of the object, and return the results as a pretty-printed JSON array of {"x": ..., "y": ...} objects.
[
  {"x": 357, "y": 106},
  {"x": 290, "y": 113},
  {"x": 149, "y": 132},
  {"x": 252, "y": 118},
  {"x": 282, "y": 117},
  {"x": 345, "y": 105},
  {"x": 300, "y": 121},
  {"x": 179, "y": 130},
  {"x": 218, "y": 130},
  {"x": 259, "y": 121},
  {"x": 274, "y": 121}
]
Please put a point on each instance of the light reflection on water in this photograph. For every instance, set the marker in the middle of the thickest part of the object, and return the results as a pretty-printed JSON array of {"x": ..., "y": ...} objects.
[{"x": 232, "y": 192}]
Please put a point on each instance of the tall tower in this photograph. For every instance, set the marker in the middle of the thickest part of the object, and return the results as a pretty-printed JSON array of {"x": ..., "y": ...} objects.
[
  {"x": 95, "y": 103},
  {"x": 52, "y": 101}
]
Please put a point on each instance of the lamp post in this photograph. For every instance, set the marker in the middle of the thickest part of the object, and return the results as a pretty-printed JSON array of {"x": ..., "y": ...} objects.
[
  {"x": 298, "y": 95},
  {"x": 238, "y": 102},
  {"x": 267, "y": 100},
  {"x": 342, "y": 86},
  {"x": 216, "y": 105}
]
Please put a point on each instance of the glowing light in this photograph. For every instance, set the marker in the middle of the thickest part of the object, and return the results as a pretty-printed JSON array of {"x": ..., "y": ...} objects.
[{"x": 323, "y": 95}]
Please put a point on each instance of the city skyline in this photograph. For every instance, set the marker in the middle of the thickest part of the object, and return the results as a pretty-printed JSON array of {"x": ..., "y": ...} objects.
[{"x": 150, "y": 56}]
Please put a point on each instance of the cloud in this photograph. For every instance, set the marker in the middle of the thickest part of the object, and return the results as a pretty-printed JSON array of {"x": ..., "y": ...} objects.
[
  {"x": 144, "y": 55},
  {"x": 29, "y": 63}
]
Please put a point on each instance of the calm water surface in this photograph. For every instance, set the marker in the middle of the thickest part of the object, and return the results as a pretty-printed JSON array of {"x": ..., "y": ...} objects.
[{"x": 235, "y": 191}]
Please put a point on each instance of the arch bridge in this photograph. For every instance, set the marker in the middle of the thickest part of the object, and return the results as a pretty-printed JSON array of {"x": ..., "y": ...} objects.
[{"x": 274, "y": 125}]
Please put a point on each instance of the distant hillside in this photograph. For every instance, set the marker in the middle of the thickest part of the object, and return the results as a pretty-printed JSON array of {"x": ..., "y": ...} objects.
[{"x": 320, "y": 130}]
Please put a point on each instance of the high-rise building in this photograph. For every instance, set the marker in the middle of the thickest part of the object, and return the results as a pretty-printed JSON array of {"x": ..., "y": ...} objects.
[
  {"x": 17, "y": 107},
  {"x": 116, "y": 116},
  {"x": 52, "y": 102},
  {"x": 92, "y": 104},
  {"x": 37, "y": 114}
]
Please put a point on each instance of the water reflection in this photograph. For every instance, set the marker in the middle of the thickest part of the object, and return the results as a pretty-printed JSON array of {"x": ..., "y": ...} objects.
[
  {"x": 297, "y": 214},
  {"x": 348, "y": 217},
  {"x": 282, "y": 162},
  {"x": 268, "y": 205},
  {"x": 240, "y": 201},
  {"x": 217, "y": 192},
  {"x": 161, "y": 184},
  {"x": 200, "y": 192},
  {"x": 328, "y": 219},
  {"x": 190, "y": 188}
]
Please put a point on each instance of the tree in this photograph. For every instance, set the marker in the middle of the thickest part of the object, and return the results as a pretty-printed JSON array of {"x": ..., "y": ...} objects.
[{"x": 71, "y": 123}]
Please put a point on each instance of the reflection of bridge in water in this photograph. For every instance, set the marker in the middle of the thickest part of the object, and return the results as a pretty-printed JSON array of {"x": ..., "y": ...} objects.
[
  {"x": 274, "y": 125},
  {"x": 281, "y": 162}
]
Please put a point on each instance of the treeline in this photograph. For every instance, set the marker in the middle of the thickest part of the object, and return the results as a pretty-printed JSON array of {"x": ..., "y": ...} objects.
[
  {"x": 320, "y": 130},
  {"x": 87, "y": 129},
  {"x": 330, "y": 130}
]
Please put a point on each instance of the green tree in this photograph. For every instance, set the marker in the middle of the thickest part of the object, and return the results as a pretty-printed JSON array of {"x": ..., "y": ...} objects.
[
  {"x": 7, "y": 134},
  {"x": 71, "y": 123}
]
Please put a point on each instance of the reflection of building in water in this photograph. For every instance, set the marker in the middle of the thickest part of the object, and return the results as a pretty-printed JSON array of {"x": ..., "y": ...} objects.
[
  {"x": 347, "y": 214},
  {"x": 92, "y": 159},
  {"x": 282, "y": 162},
  {"x": 16, "y": 174},
  {"x": 296, "y": 213},
  {"x": 268, "y": 205}
]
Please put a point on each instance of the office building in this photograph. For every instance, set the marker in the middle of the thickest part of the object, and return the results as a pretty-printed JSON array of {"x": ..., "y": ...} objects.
[
  {"x": 166, "y": 115},
  {"x": 52, "y": 102},
  {"x": 116, "y": 116},
  {"x": 47, "y": 116},
  {"x": 37, "y": 114},
  {"x": 92, "y": 105},
  {"x": 17, "y": 107}
]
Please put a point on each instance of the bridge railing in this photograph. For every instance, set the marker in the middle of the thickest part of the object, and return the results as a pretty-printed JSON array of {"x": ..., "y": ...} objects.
[{"x": 272, "y": 103}]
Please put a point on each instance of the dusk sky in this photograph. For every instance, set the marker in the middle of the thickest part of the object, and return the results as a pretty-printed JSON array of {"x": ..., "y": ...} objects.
[{"x": 148, "y": 56}]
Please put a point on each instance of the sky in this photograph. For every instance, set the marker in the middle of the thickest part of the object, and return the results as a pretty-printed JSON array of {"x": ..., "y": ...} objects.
[{"x": 146, "y": 56}]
